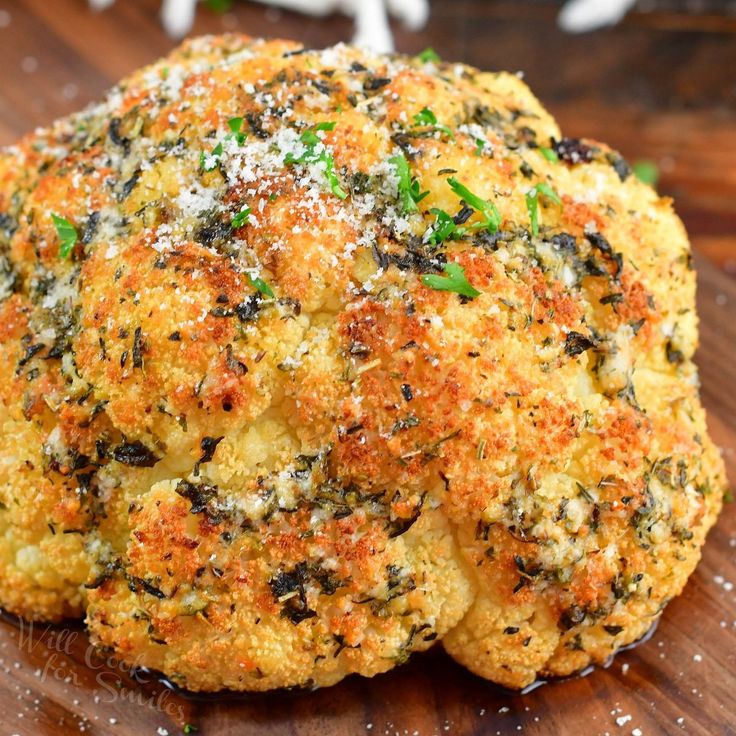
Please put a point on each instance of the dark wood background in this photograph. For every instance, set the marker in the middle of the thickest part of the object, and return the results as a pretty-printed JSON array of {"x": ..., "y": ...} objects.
[{"x": 661, "y": 86}]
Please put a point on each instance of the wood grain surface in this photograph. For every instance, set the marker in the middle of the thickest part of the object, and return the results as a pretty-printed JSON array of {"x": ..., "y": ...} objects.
[{"x": 663, "y": 87}]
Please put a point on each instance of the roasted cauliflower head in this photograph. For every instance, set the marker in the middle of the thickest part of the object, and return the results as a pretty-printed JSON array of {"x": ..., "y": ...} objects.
[{"x": 311, "y": 359}]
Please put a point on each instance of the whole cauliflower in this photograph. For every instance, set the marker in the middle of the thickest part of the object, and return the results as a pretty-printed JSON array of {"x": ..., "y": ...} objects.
[{"x": 312, "y": 359}]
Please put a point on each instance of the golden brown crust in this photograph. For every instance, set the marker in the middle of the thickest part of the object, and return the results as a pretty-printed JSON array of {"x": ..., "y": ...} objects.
[{"x": 435, "y": 383}]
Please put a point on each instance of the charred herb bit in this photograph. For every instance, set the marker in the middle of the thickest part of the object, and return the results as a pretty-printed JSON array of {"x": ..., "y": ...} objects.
[
  {"x": 425, "y": 118},
  {"x": 90, "y": 228},
  {"x": 67, "y": 235},
  {"x": 604, "y": 247},
  {"x": 406, "y": 392},
  {"x": 491, "y": 216},
  {"x": 208, "y": 446},
  {"x": 573, "y": 150},
  {"x": 137, "y": 584},
  {"x": 674, "y": 356},
  {"x": 410, "y": 192},
  {"x": 619, "y": 164},
  {"x": 316, "y": 152},
  {"x": 454, "y": 281},
  {"x": 138, "y": 348},
  {"x": 135, "y": 454},
  {"x": 200, "y": 496},
  {"x": 373, "y": 84},
  {"x": 248, "y": 310},
  {"x": 572, "y": 617},
  {"x": 532, "y": 202},
  {"x": 429, "y": 55},
  {"x": 289, "y": 589},
  {"x": 613, "y": 299},
  {"x": 576, "y": 343},
  {"x": 113, "y": 132}
]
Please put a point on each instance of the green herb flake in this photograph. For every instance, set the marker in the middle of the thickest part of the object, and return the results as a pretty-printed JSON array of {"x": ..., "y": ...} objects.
[
  {"x": 241, "y": 218},
  {"x": 491, "y": 216},
  {"x": 236, "y": 130},
  {"x": 480, "y": 146},
  {"x": 549, "y": 154},
  {"x": 429, "y": 55},
  {"x": 316, "y": 152},
  {"x": 454, "y": 281},
  {"x": 219, "y": 6},
  {"x": 67, "y": 235},
  {"x": 262, "y": 286},
  {"x": 209, "y": 162},
  {"x": 410, "y": 192},
  {"x": 444, "y": 226},
  {"x": 426, "y": 118},
  {"x": 646, "y": 172},
  {"x": 532, "y": 202},
  {"x": 189, "y": 728}
]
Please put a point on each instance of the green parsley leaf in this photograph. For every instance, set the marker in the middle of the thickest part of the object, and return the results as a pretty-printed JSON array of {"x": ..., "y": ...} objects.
[
  {"x": 549, "y": 154},
  {"x": 241, "y": 218},
  {"x": 480, "y": 146},
  {"x": 236, "y": 128},
  {"x": 219, "y": 6},
  {"x": 428, "y": 119},
  {"x": 444, "y": 226},
  {"x": 455, "y": 281},
  {"x": 189, "y": 728},
  {"x": 429, "y": 54},
  {"x": 316, "y": 152},
  {"x": 425, "y": 117},
  {"x": 532, "y": 202},
  {"x": 489, "y": 211},
  {"x": 262, "y": 286},
  {"x": 210, "y": 162},
  {"x": 67, "y": 235},
  {"x": 547, "y": 191},
  {"x": 409, "y": 190},
  {"x": 646, "y": 171}
]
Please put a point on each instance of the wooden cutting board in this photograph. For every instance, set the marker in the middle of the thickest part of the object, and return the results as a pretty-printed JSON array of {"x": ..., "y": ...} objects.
[
  {"x": 651, "y": 88},
  {"x": 683, "y": 680}
]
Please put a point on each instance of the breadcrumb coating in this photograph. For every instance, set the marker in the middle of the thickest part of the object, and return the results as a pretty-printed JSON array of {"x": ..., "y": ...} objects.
[{"x": 312, "y": 359}]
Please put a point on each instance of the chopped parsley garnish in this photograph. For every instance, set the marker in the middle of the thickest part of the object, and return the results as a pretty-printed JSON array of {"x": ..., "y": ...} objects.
[
  {"x": 491, "y": 216},
  {"x": 532, "y": 202},
  {"x": 429, "y": 54},
  {"x": 444, "y": 226},
  {"x": 454, "y": 281},
  {"x": 219, "y": 6},
  {"x": 210, "y": 161},
  {"x": 549, "y": 153},
  {"x": 410, "y": 192},
  {"x": 480, "y": 146},
  {"x": 426, "y": 118},
  {"x": 646, "y": 171},
  {"x": 67, "y": 235},
  {"x": 241, "y": 218},
  {"x": 316, "y": 152},
  {"x": 262, "y": 286},
  {"x": 236, "y": 129},
  {"x": 189, "y": 728}
]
